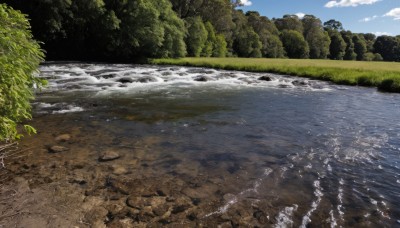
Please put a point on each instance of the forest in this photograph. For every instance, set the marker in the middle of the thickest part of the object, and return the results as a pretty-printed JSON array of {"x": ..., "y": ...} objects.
[{"x": 135, "y": 30}]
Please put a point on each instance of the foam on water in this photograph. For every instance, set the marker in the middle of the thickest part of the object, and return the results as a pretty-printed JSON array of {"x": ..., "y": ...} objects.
[
  {"x": 106, "y": 79},
  {"x": 69, "y": 109},
  {"x": 243, "y": 194},
  {"x": 318, "y": 194},
  {"x": 284, "y": 218},
  {"x": 56, "y": 108}
]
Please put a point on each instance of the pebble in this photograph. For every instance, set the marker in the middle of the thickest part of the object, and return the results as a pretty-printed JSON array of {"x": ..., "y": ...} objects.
[
  {"x": 109, "y": 156},
  {"x": 119, "y": 170},
  {"x": 119, "y": 186},
  {"x": 63, "y": 138},
  {"x": 58, "y": 149}
]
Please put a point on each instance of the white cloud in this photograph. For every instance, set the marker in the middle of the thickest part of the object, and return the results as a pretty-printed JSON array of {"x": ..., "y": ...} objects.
[
  {"x": 395, "y": 13},
  {"x": 382, "y": 33},
  {"x": 347, "y": 3},
  {"x": 367, "y": 19},
  {"x": 300, "y": 14},
  {"x": 246, "y": 2}
]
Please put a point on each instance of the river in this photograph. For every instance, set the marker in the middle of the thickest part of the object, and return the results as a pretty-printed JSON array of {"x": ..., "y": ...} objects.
[{"x": 211, "y": 147}]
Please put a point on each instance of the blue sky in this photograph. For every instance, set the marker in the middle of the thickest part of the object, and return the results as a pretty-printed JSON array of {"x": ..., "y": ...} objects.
[{"x": 359, "y": 16}]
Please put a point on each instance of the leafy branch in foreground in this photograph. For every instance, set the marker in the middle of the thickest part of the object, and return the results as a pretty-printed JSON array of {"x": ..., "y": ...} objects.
[{"x": 20, "y": 57}]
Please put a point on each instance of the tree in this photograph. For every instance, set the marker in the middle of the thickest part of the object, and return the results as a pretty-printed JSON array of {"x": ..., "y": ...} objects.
[
  {"x": 220, "y": 49},
  {"x": 274, "y": 47},
  {"x": 147, "y": 29},
  {"x": 388, "y": 47},
  {"x": 289, "y": 22},
  {"x": 369, "y": 41},
  {"x": 318, "y": 40},
  {"x": 261, "y": 23},
  {"x": 247, "y": 42},
  {"x": 210, "y": 42},
  {"x": 349, "y": 52},
  {"x": 377, "y": 57},
  {"x": 186, "y": 8},
  {"x": 173, "y": 44},
  {"x": 294, "y": 44},
  {"x": 333, "y": 25},
  {"x": 219, "y": 14},
  {"x": 197, "y": 36},
  {"x": 337, "y": 47},
  {"x": 267, "y": 33},
  {"x": 106, "y": 29},
  {"x": 360, "y": 47},
  {"x": 19, "y": 60}
]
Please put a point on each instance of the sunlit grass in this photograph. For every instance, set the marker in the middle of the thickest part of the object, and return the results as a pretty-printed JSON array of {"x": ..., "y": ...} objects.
[{"x": 384, "y": 75}]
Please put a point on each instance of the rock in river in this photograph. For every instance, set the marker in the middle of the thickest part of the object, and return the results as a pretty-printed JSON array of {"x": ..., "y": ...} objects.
[
  {"x": 63, "y": 138},
  {"x": 125, "y": 80},
  {"x": 300, "y": 83},
  {"x": 265, "y": 78},
  {"x": 109, "y": 155},
  {"x": 57, "y": 149},
  {"x": 202, "y": 78}
]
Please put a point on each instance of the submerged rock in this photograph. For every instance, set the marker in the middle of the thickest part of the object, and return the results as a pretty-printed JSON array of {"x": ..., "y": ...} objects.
[
  {"x": 58, "y": 149},
  {"x": 109, "y": 155},
  {"x": 119, "y": 170},
  {"x": 202, "y": 79},
  {"x": 125, "y": 80},
  {"x": 146, "y": 79},
  {"x": 96, "y": 216},
  {"x": 300, "y": 83},
  {"x": 137, "y": 202},
  {"x": 118, "y": 186},
  {"x": 63, "y": 138},
  {"x": 265, "y": 78},
  {"x": 167, "y": 73},
  {"x": 260, "y": 216},
  {"x": 107, "y": 76}
]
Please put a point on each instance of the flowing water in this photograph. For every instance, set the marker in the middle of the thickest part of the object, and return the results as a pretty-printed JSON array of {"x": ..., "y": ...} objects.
[{"x": 278, "y": 152}]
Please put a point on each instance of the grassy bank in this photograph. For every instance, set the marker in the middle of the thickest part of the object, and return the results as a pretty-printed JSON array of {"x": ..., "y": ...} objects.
[{"x": 384, "y": 75}]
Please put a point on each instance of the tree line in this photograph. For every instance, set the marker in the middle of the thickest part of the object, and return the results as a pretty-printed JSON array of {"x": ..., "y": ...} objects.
[{"x": 132, "y": 30}]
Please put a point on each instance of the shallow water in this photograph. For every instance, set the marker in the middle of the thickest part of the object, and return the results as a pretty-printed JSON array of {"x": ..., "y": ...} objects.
[{"x": 281, "y": 153}]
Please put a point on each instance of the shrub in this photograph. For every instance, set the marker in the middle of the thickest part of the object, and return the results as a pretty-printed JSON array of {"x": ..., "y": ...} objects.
[{"x": 20, "y": 56}]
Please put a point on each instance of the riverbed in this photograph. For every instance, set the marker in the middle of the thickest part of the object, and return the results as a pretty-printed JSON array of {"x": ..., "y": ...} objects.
[{"x": 141, "y": 145}]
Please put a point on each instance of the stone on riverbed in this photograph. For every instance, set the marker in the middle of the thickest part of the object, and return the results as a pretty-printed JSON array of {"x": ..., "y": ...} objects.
[
  {"x": 119, "y": 170},
  {"x": 63, "y": 138},
  {"x": 118, "y": 186},
  {"x": 58, "y": 149},
  {"x": 109, "y": 155}
]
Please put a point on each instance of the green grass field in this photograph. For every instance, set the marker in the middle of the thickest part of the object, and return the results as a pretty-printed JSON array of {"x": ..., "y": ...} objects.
[{"x": 384, "y": 75}]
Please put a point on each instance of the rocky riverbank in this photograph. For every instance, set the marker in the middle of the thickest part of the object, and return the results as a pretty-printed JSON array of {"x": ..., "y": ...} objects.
[{"x": 57, "y": 183}]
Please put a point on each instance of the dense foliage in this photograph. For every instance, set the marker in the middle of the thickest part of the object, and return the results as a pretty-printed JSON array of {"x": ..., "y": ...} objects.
[
  {"x": 20, "y": 56},
  {"x": 131, "y": 30}
]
